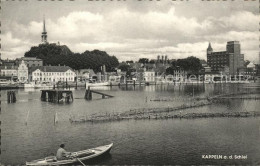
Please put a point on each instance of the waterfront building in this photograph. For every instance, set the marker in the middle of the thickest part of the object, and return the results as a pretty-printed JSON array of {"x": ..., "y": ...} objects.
[
  {"x": 30, "y": 61},
  {"x": 9, "y": 71},
  {"x": 52, "y": 74},
  {"x": 83, "y": 74},
  {"x": 169, "y": 78},
  {"x": 22, "y": 72},
  {"x": 14, "y": 72},
  {"x": 149, "y": 76},
  {"x": 231, "y": 58},
  {"x": 250, "y": 69},
  {"x": 180, "y": 75}
]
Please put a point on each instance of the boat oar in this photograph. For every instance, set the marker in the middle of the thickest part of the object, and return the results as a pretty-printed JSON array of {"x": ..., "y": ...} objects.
[{"x": 80, "y": 161}]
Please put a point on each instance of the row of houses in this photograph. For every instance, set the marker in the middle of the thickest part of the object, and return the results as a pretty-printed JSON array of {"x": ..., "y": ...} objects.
[{"x": 25, "y": 71}]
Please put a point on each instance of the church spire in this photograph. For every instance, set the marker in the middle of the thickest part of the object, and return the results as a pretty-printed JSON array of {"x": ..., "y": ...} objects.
[
  {"x": 44, "y": 33},
  {"x": 44, "y": 29},
  {"x": 209, "y": 47}
]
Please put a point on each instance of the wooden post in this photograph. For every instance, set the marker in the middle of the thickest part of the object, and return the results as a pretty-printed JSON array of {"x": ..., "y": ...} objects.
[
  {"x": 0, "y": 102},
  {"x": 47, "y": 96},
  {"x": 90, "y": 95},
  {"x": 66, "y": 83},
  {"x": 87, "y": 95},
  {"x": 11, "y": 97},
  {"x": 8, "y": 97},
  {"x": 58, "y": 94}
]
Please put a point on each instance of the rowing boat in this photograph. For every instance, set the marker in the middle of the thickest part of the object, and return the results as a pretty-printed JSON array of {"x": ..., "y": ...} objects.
[{"x": 74, "y": 157}]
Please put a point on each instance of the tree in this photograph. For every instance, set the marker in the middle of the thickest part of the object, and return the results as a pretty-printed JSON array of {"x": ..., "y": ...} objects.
[
  {"x": 170, "y": 70},
  {"x": 191, "y": 64},
  {"x": 53, "y": 54},
  {"x": 124, "y": 67},
  {"x": 152, "y": 61},
  {"x": 130, "y": 61},
  {"x": 143, "y": 60}
]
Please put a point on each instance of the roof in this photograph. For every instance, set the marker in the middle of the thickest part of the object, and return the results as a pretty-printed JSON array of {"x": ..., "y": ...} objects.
[
  {"x": 8, "y": 63},
  {"x": 30, "y": 59},
  {"x": 8, "y": 67},
  {"x": 51, "y": 68},
  {"x": 84, "y": 71},
  {"x": 251, "y": 65}
]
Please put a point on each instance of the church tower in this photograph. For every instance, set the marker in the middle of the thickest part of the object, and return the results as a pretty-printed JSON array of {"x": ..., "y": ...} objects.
[
  {"x": 209, "y": 49},
  {"x": 44, "y": 33}
]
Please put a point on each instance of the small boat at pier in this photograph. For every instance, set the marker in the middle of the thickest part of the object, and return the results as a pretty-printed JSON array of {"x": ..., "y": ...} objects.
[{"x": 75, "y": 157}]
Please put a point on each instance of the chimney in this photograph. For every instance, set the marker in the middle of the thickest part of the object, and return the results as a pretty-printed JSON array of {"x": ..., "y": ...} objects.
[
  {"x": 165, "y": 59},
  {"x": 158, "y": 58}
]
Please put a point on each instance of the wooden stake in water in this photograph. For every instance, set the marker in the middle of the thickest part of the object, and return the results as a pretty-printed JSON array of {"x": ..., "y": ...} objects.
[
  {"x": 27, "y": 117},
  {"x": 55, "y": 118}
]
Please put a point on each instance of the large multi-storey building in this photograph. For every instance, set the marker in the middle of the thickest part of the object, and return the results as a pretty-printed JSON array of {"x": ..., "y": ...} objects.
[
  {"x": 52, "y": 74},
  {"x": 231, "y": 58}
]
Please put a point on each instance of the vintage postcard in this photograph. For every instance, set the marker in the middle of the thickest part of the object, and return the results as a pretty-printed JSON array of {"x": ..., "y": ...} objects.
[{"x": 129, "y": 82}]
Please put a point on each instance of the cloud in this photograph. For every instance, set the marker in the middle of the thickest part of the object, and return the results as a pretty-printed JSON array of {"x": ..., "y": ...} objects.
[
  {"x": 81, "y": 47},
  {"x": 13, "y": 47},
  {"x": 241, "y": 20},
  {"x": 7, "y": 39},
  {"x": 126, "y": 32},
  {"x": 77, "y": 25}
]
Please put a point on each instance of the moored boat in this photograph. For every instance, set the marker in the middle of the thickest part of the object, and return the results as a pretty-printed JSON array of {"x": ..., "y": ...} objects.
[
  {"x": 75, "y": 157},
  {"x": 97, "y": 84}
]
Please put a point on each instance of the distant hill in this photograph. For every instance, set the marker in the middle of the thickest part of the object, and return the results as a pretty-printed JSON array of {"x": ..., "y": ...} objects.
[{"x": 53, "y": 54}]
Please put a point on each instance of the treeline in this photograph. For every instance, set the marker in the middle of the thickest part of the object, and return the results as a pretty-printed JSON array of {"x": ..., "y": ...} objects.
[{"x": 54, "y": 55}]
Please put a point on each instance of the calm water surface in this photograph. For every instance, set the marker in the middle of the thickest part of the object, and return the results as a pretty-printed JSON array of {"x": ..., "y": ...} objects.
[{"x": 172, "y": 141}]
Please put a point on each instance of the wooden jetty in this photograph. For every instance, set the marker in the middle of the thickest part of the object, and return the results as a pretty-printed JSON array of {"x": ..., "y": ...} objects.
[
  {"x": 88, "y": 94},
  {"x": 57, "y": 96},
  {"x": 11, "y": 97}
]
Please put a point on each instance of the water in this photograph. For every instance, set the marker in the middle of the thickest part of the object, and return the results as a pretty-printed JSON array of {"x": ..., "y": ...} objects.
[{"x": 160, "y": 142}]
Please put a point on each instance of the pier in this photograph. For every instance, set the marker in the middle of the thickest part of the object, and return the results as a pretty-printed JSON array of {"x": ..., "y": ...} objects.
[
  {"x": 88, "y": 94},
  {"x": 57, "y": 96}
]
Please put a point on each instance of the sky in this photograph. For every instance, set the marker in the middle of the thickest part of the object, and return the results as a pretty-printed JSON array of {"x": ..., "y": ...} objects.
[{"x": 132, "y": 29}]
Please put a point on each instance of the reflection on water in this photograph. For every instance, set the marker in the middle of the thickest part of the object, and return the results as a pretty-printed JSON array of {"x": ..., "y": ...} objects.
[{"x": 172, "y": 141}]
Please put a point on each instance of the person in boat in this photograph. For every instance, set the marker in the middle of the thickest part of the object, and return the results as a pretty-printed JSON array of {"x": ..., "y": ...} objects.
[{"x": 62, "y": 153}]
